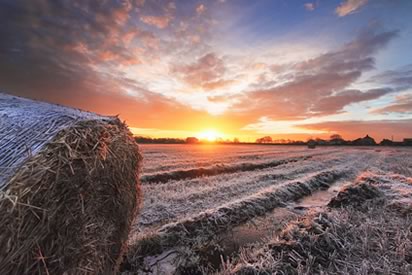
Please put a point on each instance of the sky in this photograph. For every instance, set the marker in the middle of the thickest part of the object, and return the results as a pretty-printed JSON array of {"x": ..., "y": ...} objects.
[{"x": 236, "y": 68}]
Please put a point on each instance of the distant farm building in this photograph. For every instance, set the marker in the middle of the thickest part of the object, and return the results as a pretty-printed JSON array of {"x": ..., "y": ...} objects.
[
  {"x": 367, "y": 140},
  {"x": 407, "y": 141}
]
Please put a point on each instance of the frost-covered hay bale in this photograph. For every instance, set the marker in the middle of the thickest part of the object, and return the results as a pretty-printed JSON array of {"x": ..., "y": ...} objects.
[{"x": 69, "y": 189}]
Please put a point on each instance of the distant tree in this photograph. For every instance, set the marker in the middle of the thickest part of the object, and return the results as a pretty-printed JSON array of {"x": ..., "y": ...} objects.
[
  {"x": 266, "y": 139},
  {"x": 192, "y": 140},
  {"x": 336, "y": 136},
  {"x": 336, "y": 140},
  {"x": 236, "y": 140},
  {"x": 140, "y": 139},
  {"x": 386, "y": 142},
  {"x": 219, "y": 140}
]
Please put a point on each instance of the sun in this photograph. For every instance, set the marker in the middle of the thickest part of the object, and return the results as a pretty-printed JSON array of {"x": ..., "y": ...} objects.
[{"x": 210, "y": 135}]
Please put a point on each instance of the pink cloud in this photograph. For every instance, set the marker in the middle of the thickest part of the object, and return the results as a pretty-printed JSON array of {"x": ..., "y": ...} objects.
[
  {"x": 206, "y": 72},
  {"x": 350, "y": 6},
  {"x": 160, "y": 22},
  {"x": 317, "y": 86},
  {"x": 200, "y": 9},
  {"x": 402, "y": 104}
]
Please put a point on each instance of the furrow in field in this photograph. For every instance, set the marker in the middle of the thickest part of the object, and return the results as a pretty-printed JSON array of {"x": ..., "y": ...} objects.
[
  {"x": 224, "y": 217},
  {"x": 365, "y": 230},
  {"x": 396, "y": 188},
  {"x": 397, "y": 161},
  {"x": 169, "y": 163},
  {"x": 186, "y": 198},
  {"x": 179, "y": 162},
  {"x": 215, "y": 170}
]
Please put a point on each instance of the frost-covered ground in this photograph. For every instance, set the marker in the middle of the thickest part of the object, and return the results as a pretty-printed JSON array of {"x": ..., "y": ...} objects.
[
  {"x": 257, "y": 168},
  {"x": 196, "y": 193}
]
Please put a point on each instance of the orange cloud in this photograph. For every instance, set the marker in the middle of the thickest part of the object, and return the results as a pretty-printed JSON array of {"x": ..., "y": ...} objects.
[
  {"x": 107, "y": 56},
  {"x": 217, "y": 84},
  {"x": 350, "y": 6}
]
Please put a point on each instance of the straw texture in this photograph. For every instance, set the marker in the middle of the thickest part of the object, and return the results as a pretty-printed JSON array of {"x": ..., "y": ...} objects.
[{"x": 67, "y": 207}]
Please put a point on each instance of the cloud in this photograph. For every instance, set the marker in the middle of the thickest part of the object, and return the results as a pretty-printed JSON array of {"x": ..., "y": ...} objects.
[
  {"x": 310, "y": 6},
  {"x": 160, "y": 22},
  {"x": 200, "y": 9},
  {"x": 400, "y": 78},
  {"x": 71, "y": 53},
  {"x": 335, "y": 103},
  {"x": 104, "y": 94},
  {"x": 350, "y": 6},
  {"x": 205, "y": 73},
  {"x": 379, "y": 129},
  {"x": 267, "y": 126},
  {"x": 317, "y": 86},
  {"x": 99, "y": 33},
  {"x": 124, "y": 57},
  {"x": 158, "y": 13},
  {"x": 401, "y": 105}
]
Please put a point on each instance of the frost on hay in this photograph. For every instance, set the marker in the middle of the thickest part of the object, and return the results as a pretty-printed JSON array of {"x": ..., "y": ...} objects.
[{"x": 68, "y": 206}]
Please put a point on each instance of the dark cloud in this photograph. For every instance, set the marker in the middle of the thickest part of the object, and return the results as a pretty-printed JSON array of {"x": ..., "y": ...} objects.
[
  {"x": 400, "y": 78},
  {"x": 335, "y": 103},
  {"x": 70, "y": 28},
  {"x": 64, "y": 40},
  {"x": 316, "y": 86},
  {"x": 63, "y": 52}
]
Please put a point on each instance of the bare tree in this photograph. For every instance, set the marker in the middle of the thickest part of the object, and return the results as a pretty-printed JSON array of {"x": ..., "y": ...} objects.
[{"x": 266, "y": 139}]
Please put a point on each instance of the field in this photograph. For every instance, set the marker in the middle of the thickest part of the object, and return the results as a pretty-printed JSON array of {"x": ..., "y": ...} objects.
[{"x": 252, "y": 209}]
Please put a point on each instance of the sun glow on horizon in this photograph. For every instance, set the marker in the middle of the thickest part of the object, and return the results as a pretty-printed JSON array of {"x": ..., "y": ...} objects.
[{"x": 210, "y": 135}]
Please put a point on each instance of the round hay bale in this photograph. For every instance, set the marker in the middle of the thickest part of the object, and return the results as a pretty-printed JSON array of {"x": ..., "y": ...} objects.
[{"x": 67, "y": 208}]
